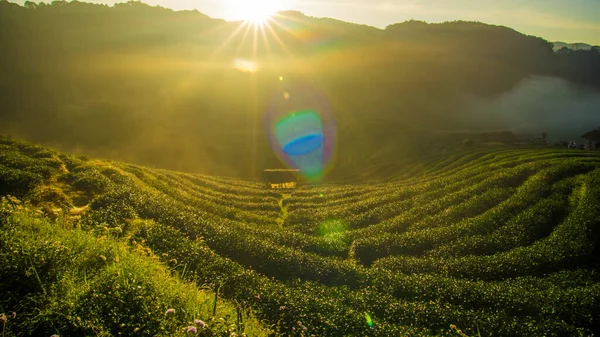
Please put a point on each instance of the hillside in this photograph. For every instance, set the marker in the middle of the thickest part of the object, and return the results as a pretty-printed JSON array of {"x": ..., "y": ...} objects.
[
  {"x": 573, "y": 46},
  {"x": 492, "y": 241},
  {"x": 158, "y": 87},
  {"x": 64, "y": 273}
]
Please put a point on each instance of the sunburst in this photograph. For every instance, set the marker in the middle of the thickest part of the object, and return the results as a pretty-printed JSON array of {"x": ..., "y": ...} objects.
[
  {"x": 257, "y": 31},
  {"x": 256, "y": 12}
]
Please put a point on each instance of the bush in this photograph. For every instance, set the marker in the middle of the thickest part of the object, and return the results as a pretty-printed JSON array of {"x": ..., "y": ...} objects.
[
  {"x": 68, "y": 282},
  {"x": 17, "y": 182}
]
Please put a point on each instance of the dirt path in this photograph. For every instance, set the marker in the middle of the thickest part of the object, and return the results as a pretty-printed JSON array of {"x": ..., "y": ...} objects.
[{"x": 283, "y": 214}]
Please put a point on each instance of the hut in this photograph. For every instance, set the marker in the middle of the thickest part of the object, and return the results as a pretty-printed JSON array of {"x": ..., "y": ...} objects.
[
  {"x": 281, "y": 178},
  {"x": 592, "y": 139}
]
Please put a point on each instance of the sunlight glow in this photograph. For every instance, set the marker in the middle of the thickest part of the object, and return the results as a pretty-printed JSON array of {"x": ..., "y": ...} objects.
[
  {"x": 257, "y": 12},
  {"x": 245, "y": 65}
]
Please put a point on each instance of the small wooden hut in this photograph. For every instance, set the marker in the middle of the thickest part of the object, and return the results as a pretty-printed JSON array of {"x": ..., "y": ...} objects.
[
  {"x": 280, "y": 178},
  {"x": 592, "y": 139}
]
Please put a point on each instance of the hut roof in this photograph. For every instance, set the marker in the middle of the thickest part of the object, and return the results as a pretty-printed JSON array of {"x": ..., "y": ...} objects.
[
  {"x": 280, "y": 175},
  {"x": 281, "y": 170},
  {"x": 593, "y": 135}
]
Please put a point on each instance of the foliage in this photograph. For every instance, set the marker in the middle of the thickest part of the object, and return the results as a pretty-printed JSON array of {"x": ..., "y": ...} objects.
[
  {"x": 498, "y": 242},
  {"x": 66, "y": 281}
]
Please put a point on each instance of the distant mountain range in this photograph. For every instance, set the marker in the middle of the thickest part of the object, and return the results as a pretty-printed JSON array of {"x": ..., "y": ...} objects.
[
  {"x": 158, "y": 87},
  {"x": 573, "y": 46}
]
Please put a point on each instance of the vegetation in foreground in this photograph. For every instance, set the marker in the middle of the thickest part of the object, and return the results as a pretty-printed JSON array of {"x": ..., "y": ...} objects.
[
  {"x": 496, "y": 242},
  {"x": 61, "y": 280}
]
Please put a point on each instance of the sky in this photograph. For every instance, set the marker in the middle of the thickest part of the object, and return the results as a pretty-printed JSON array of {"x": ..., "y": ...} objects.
[{"x": 554, "y": 20}]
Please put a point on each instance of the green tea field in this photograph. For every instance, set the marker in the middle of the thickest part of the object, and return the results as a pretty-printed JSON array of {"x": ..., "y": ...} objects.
[{"x": 496, "y": 241}]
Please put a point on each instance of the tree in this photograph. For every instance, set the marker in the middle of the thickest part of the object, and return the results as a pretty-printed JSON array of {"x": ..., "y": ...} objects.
[{"x": 30, "y": 5}]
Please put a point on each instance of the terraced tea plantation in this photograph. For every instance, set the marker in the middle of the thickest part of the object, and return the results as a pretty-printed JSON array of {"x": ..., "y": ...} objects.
[{"x": 490, "y": 242}]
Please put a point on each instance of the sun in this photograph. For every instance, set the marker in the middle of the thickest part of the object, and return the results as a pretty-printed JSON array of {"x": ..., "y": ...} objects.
[
  {"x": 257, "y": 33},
  {"x": 257, "y": 12},
  {"x": 259, "y": 16}
]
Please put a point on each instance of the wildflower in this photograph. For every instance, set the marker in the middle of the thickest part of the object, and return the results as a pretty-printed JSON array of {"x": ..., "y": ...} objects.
[
  {"x": 13, "y": 314},
  {"x": 102, "y": 257},
  {"x": 192, "y": 330},
  {"x": 200, "y": 323},
  {"x": 2, "y": 318},
  {"x": 282, "y": 307},
  {"x": 169, "y": 311},
  {"x": 55, "y": 336}
]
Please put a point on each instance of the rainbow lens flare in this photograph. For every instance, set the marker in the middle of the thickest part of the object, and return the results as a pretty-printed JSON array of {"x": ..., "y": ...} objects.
[
  {"x": 369, "y": 320},
  {"x": 316, "y": 39},
  {"x": 301, "y": 129}
]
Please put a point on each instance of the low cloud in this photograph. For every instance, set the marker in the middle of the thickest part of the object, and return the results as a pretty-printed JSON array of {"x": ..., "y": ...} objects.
[{"x": 541, "y": 104}]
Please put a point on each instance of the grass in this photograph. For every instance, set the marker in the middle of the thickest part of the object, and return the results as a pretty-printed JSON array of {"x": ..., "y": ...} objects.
[
  {"x": 66, "y": 281},
  {"x": 495, "y": 241}
]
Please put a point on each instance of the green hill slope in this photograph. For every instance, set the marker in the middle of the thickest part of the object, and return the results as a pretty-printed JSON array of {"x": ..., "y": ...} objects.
[{"x": 497, "y": 241}]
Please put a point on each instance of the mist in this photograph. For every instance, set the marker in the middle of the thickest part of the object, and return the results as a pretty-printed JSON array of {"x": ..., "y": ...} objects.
[{"x": 540, "y": 104}]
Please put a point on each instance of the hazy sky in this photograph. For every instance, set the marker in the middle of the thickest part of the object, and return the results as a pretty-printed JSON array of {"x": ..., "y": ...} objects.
[{"x": 554, "y": 20}]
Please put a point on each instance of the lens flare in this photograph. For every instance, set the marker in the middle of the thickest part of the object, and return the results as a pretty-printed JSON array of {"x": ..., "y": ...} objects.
[
  {"x": 331, "y": 227},
  {"x": 301, "y": 129},
  {"x": 333, "y": 231},
  {"x": 245, "y": 65},
  {"x": 317, "y": 40},
  {"x": 369, "y": 320}
]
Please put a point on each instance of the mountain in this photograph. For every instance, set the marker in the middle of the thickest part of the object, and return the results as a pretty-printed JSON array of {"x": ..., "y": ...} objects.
[
  {"x": 573, "y": 46},
  {"x": 153, "y": 86}
]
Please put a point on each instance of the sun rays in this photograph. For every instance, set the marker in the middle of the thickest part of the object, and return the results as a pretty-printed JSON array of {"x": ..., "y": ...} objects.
[
  {"x": 255, "y": 12},
  {"x": 255, "y": 16},
  {"x": 257, "y": 39}
]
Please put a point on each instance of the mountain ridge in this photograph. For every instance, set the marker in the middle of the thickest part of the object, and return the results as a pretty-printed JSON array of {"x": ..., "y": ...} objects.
[
  {"x": 284, "y": 12},
  {"x": 160, "y": 87}
]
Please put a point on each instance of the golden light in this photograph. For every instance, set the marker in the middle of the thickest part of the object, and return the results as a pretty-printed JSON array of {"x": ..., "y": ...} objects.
[
  {"x": 257, "y": 12},
  {"x": 245, "y": 65},
  {"x": 255, "y": 34}
]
